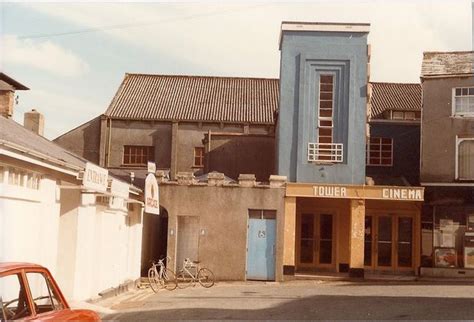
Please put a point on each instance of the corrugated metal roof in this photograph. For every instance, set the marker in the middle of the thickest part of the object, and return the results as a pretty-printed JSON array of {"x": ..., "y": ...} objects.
[
  {"x": 196, "y": 98},
  {"x": 438, "y": 64},
  {"x": 394, "y": 96}
]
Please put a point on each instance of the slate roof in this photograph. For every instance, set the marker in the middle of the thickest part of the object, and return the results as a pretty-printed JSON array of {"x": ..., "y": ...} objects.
[
  {"x": 12, "y": 132},
  {"x": 196, "y": 98},
  {"x": 13, "y": 83},
  {"x": 394, "y": 96},
  {"x": 439, "y": 64}
]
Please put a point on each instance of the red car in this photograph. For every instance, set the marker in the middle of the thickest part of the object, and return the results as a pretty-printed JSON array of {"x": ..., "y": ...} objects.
[{"x": 29, "y": 292}]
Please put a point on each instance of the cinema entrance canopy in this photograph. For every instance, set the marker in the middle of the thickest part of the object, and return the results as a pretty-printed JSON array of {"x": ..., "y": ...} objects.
[{"x": 352, "y": 228}]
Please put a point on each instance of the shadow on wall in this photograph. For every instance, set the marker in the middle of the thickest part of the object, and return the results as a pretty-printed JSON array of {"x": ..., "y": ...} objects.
[
  {"x": 236, "y": 155},
  {"x": 154, "y": 239},
  {"x": 323, "y": 307}
]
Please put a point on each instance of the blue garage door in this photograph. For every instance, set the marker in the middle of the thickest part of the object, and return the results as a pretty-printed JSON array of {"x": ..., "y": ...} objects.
[{"x": 261, "y": 245}]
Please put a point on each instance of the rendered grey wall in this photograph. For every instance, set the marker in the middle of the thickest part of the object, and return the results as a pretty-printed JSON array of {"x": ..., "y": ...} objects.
[
  {"x": 157, "y": 134},
  {"x": 83, "y": 140},
  {"x": 439, "y": 129},
  {"x": 223, "y": 214},
  {"x": 303, "y": 56},
  {"x": 233, "y": 155}
]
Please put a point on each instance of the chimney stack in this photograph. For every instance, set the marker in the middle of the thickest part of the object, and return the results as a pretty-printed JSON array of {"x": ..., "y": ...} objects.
[
  {"x": 8, "y": 86},
  {"x": 7, "y": 98},
  {"x": 34, "y": 121}
]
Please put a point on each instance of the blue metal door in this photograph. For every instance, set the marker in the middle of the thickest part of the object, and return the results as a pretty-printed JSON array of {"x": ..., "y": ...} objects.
[{"x": 261, "y": 249}]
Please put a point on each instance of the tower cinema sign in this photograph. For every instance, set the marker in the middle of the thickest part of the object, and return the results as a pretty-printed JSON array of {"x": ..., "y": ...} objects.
[
  {"x": 355, "y": 192},
  {"x": 152, "y": 194}
]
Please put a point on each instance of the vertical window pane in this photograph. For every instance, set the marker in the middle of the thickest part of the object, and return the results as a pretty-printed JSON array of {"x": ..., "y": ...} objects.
[
  {"x": 368, "y": 241},
  {"x": 384, "y": 243},
  {"x": 325, "y": 118},
  {"x": 405, "y": 235},
  {"x": 466, "y": 159},
  {"x": 44, "y": 296}
]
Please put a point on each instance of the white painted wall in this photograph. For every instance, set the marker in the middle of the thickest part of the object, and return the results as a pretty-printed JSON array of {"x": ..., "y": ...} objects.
[
  {"x": 29, "y": 224},
  {"x": 88, "y": 248},
  {"x": 106, "y": 246}
]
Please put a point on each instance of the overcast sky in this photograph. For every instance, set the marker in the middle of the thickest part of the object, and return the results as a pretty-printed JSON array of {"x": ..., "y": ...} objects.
[{"x": 73, "y": 56}]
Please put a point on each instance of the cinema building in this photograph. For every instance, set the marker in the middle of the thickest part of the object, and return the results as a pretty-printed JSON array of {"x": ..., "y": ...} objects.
[
  {"x": 336, "y": 218},
  {"x": 280, "y": 176}
]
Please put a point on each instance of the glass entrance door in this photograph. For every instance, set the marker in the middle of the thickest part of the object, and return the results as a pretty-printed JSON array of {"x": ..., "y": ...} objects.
[
  {"x": 388, "y": 243},
  {"x": 316, "y": 240}
]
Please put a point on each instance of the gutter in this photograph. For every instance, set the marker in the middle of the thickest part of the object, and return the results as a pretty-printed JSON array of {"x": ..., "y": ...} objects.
[{"x": 58, "y": 164}]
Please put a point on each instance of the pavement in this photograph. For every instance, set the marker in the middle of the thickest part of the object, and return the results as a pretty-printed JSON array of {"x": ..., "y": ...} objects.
[{"x": 298, "y": 300}]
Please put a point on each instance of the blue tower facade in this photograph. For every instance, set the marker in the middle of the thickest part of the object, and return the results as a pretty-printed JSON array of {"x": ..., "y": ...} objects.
[{"x": 321, "y": 130}]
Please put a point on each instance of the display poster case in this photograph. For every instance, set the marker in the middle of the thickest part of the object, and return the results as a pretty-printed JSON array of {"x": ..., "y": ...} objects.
[
  {"x": 445, "y": 257},
  {"x": 469, "y": 249}
]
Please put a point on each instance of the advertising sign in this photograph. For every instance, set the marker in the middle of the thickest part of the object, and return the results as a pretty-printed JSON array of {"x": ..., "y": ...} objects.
[
  {"x": 119, "y": 189},
  {"x": 95, "y": 178},
  {"x": 152, "y": 196}
]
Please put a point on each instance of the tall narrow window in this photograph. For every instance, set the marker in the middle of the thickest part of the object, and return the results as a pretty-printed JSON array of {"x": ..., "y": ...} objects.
[
  {"x": 198, "y": 157},
  {"x": 380, "y": 152},
  {"x": 136, "y": 155},
  {"x": 326, "y": 109},
  {"x": 466, "y": 159},
  {"x": 325, "y": 150}
]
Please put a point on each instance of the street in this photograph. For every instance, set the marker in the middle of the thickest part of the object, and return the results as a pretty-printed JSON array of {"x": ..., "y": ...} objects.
[{"x": 301, "y": 300}]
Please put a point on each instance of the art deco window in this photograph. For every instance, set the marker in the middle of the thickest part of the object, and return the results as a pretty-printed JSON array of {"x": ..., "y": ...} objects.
[
  {"x": 325, "y": 150},
  {"x": 463, "y": 101},
  {"x": 465, "y": 159},
  {"x": 198, "y": 157},
  {"x": 137, "y": 155},
  {"x": 380, "y": 152}
]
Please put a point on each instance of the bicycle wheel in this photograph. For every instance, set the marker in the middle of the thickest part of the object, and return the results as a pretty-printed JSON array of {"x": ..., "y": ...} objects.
[
  {"x": 184, "y": 279},
  {"x": 168, "y": 280},
  {"x": 153, "y": 279},
  {"x": 205, "y": 277}
]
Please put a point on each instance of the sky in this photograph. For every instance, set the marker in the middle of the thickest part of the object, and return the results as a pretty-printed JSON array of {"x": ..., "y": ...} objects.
[{"x": 73, "y": 56}]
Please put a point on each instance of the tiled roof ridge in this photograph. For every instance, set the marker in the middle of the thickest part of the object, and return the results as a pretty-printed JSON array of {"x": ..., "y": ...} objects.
[
  {"x": 450, "y": 52},
  {"x": 199, "y": 76},
  {"x": 395, "y": 83}
]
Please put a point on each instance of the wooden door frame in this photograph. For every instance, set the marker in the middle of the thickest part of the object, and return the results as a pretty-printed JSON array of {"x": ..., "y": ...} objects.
[
  {"x": 394, "y": 217},
  {"x": 316, "y": 225}
]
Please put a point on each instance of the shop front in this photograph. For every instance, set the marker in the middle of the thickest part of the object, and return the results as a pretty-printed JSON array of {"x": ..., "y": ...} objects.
[
  {"x": 352, "y": 229},
  {"x": 448, "y": 232}
]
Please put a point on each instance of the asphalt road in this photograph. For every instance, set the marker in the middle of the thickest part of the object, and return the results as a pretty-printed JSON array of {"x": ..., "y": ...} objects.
[{"x": 300, "y": 300}]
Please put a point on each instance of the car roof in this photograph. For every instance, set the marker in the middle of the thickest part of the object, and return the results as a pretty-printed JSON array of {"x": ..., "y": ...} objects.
[{"x": 9, "y": 266}]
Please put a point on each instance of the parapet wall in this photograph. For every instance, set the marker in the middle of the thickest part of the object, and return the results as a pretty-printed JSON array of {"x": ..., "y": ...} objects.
[{"x": 217, "y": 179}]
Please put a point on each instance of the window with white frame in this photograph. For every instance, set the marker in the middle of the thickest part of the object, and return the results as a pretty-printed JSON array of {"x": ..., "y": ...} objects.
[
  {"x": 463, "y": 101},
  {"x": 19, "y": 177},
  {"x": 465, "y": 159},
  {"x": 380, "y": 152}
]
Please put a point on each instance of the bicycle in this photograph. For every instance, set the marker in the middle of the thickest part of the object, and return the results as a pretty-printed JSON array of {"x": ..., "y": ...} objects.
[
  {"x": 186, "y": 277},
  {"x": 162, "y": 277}
]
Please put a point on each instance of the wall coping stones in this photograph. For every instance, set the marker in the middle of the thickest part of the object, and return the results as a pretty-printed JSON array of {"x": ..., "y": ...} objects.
[
  {"x": 186, "y": 178},
  {"x": 217, "y": 179},
  {"x": 277, "y": 181},
  {"x": 247, "y": 180}
]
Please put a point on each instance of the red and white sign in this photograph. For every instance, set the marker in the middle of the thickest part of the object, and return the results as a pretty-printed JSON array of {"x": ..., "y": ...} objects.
[{"x": 152, "y": 195}]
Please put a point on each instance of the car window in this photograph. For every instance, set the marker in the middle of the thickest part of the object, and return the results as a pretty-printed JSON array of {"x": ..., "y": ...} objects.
[
  {"x": 14, "y": 301},
  {"x": 45, "y": 297}
]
